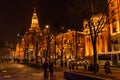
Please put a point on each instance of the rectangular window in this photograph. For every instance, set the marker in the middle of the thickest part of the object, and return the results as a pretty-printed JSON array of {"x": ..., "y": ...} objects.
[
  {"x": 119, "y": 56},
  {"x": 104, "y": 56},
  {"x": 112, "y": 4},
  {"x": 114, "y": 29},
  {"x": 113, "y": 12},
  {"x": 114, "y": 25}
]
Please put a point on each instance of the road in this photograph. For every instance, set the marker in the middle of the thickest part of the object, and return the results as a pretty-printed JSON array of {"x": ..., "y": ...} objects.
[{"x": 14, "y": 71}]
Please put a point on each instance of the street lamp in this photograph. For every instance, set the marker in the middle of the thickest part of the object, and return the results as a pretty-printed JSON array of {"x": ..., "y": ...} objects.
[
  {"x": 46, "y": 55},
  {"x": 18, "y": 35},
  {"x": 62, "y": 44},
  {"x": 47, "y": 26}
]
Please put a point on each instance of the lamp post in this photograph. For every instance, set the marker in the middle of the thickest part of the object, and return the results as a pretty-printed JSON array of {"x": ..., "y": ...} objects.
[
  {"x": 18, "y": 35},
  {"x": 62, "y": 44},
  {"x": 55, "y": 46},
  {"x": 46, "y": 55},
  {"x": 76, "y": 46}
]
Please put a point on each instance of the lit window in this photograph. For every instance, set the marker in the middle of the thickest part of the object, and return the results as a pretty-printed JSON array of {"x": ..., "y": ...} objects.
[
  {"x": 114, "y": 29},
  {"x": 114, "y": 25},
  {"x": 112, "y": 4},
  {"x": 113, "y": 12}
]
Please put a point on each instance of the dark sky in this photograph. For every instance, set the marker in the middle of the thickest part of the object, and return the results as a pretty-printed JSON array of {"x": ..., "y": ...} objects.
[{"x": 15, "y": 15}]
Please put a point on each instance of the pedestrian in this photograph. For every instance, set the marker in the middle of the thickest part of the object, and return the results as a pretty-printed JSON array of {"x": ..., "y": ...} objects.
[
  {"x": 91, "y": 67},
  {"x": 97, "y": 67},
  {"x": 107, "y": 67},
  {"x": 61, "y": 64},
  {"x": 51, "y": 67},
  {"x": 65, "y": 64},
  {"x": 70, "y": 66},
  {"x": 46, "y": 65},
  {"x": 85, "y": 66}
]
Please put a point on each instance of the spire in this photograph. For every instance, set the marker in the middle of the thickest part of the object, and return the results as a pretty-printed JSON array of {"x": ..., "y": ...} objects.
[
  {"x": 34, "y": 23},
  {"x": 34, "y": 9}
]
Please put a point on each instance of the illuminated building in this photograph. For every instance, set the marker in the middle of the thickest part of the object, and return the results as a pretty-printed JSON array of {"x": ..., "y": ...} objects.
[
  {"x": 70, "y": 44},
  {"x": 30, "y": 41},
  {"x": 102, "y": 39},
  {"x": 35, "y": 43},
  {"x": 108, "y": 39},
  {"x": 114, "y": 13}
]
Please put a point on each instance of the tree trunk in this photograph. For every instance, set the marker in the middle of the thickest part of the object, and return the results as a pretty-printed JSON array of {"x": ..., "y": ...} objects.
[
  {"x": 36, "y": 54},
  {"x": 95, "y": 56}
]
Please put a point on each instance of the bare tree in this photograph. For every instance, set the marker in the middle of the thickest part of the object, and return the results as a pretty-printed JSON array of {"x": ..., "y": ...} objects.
[{"x": 86, "y": 9}]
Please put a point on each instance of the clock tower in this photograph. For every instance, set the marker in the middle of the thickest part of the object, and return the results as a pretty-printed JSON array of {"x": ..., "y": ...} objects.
[{"x": 34, "y": 22}]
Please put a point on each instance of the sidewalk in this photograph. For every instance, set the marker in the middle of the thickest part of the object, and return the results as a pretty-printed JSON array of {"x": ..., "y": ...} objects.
[
  {"x": 23, "y": 72},
  {"x": 59, "y": 75},
  {"x": 115, "y": 74}
]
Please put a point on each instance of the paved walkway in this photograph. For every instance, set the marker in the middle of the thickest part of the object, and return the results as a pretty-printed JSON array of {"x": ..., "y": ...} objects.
[
  {"x": 13, "y": 71},
  {"x": 114, "y": 76}
]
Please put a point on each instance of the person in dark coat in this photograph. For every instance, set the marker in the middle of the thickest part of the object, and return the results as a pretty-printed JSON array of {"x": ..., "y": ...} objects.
[
  {"x": 70, "y": 66},
  {"x": 97, "y": 67},
  {"x": 46, "y": 65},
  {"x": 61, "y": 64},
  {"x": 65, "y": 64},
  {"x": 51, "y": 68},
  {"x": 107, "y": 67},
  {"x": 85, "y": 66},
  {"x": 91, "y": 67}
]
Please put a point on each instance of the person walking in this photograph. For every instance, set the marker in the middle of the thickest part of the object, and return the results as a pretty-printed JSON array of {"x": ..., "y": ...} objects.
[
  {"x": 61, "y": 64},
  {"x": 65, "y": 64},
  {"x": 97, "y": 67},
  {"x": 51, "y": 67},
  {"x": 70, "y": 66},
  {"x": 85, "y": 66},
  {"x": 45, "y": 66},
  {"x": 91, "y": 67},
  {"x": 107, "y": 67}
]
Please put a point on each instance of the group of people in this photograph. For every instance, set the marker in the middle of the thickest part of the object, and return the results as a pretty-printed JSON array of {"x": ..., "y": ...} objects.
[
  {"x": 48, "y": 68},
  {"x": 91, "y": 67}
]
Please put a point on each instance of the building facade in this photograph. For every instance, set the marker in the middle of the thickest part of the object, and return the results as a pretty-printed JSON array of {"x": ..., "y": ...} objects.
[
  {"x": 114, "y": 13},
  {"x": 37, "y": 43},
  {"x": 102, "y": 39},
  {"x": 29, "y": 43}
]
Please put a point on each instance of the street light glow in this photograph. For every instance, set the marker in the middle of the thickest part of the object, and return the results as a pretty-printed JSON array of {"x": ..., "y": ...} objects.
[
  {"x": 47, "y": 26},
  {"x": 62, "y": 28},
  {"x": 18, "y": 34}
]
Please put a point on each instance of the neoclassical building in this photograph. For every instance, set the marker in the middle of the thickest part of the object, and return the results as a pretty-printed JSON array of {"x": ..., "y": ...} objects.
[
  {"x": 108, "y": 40},
  {"x": 102, "y": 44},
  {"x": 27, "y": 46},
  {"x": 36, "y": 42},
  {"x": 114, "y": 13}
]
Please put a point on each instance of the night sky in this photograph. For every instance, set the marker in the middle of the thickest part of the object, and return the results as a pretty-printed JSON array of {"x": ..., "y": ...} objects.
[{"x": 15, "y": 16}]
